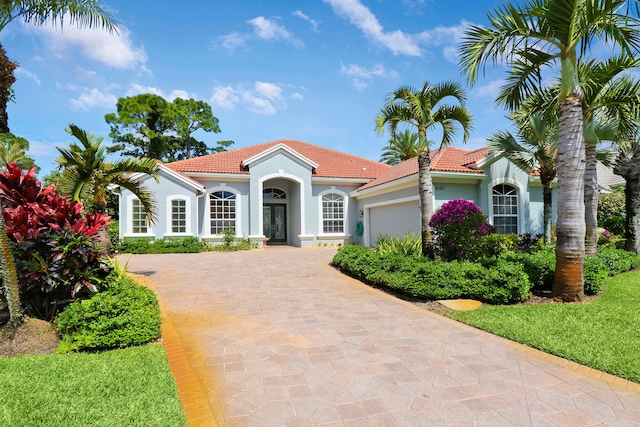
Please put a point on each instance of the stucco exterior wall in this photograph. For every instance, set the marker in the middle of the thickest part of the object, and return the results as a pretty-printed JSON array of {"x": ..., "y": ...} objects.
[{"x": 163, "y": 192}]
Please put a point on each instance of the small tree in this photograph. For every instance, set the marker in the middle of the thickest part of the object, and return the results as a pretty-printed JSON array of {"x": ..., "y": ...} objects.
[{"x": 457, "y": 227}]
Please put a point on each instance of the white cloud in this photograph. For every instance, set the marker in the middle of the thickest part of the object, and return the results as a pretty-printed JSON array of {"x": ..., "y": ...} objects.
[
  {"x": 42, "y": 149},
  {"x": 114, "y": 50},
  {"x": 264, "y": 99},
  {"x": 267, "y": 29},
  {"x": 361, "y": 77},
  {"x": 314, "y": 23},
  {"x": 263, "y": 29},
  {"x": 137, "y": 89},
  {"x": 224, "y": 97},
  {"x": 296, "y": 96},
  {"x": 258, "y": 105},
  {"x": 93, "y": 98},
  {"x": 359, "y": 15},
  {"x": 28, "y": 74},
  {"x": 232, "y": 41},
  {"x": 490, "y": 90},
  {"x": 269, "y": 90},
  {"x": 446, "y": 37}
]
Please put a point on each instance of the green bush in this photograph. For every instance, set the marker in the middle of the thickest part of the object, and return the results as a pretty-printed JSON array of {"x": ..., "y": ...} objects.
[
  {"x": 162, "y": 246},
  {"x": 125, "y": 314},
  {"x": 409, "y": 244},
  {"x": 540, "y": 267},
  {"x": 595, "y": 273},
  {"x": 499, "y": 283},
  {"x": 612, "y": 213},
  {"x": 493, "y": 245},
  {"x": 617, "y": 260}
]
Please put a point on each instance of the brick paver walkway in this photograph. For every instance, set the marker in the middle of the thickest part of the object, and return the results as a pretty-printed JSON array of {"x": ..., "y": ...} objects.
[{"x": 277, "y": 337}]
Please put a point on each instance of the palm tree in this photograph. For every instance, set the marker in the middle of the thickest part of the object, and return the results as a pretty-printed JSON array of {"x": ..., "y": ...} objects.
[
  {"x": 425, "y": 109},
  {"x": 607, "y": 99},
  {"x": 87, "y": 174},
  {"x": 403, "y": 146},
  {"x": 552, "y": 33},
  {"x": 627, "y": 165},
  {"x": 83, "y": 13},
  {"x": 535, "y": 150}
]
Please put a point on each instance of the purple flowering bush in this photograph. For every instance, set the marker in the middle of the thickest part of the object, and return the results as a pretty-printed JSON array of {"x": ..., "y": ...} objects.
[{"x": 457, "y": 228}]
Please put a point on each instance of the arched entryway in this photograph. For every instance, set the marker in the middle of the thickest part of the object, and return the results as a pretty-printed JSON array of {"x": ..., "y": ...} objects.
[{"x": 281, "y": 211}]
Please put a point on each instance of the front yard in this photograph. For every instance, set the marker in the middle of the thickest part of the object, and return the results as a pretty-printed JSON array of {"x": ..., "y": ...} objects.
[{"x": 602, "y": 334}]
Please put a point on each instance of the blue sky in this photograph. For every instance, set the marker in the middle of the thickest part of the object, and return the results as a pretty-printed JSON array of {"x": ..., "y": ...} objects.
[{"x": 315, "y": 70}]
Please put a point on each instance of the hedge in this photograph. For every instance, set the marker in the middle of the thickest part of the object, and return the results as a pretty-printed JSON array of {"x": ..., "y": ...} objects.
[{"x": 502, "y": 283}]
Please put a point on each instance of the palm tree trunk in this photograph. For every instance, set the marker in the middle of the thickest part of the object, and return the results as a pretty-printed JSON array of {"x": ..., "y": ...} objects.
[
  {"x": 547, "y": 199},
  {"x": 425, "y": 190},
  {"x": 9, "y": 277},
  {"x": 568, "y": 282},
  {"x": 591, "y": 201},
  {"x": 632, "y": 229}
]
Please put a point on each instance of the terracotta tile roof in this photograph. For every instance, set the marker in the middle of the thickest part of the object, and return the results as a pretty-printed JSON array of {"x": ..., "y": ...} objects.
[
  {"x": 331, "y": 163},
  {"x": 447, "y": 159},
  {"x": 450, "y": 159}
]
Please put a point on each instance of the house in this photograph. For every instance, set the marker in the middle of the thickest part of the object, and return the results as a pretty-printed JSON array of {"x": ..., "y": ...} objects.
[{"x": 295, "y": 193}]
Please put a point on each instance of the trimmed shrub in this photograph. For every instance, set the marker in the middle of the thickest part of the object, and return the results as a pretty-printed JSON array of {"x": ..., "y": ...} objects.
[
  {"x": 125, "y": 314},
  {"x": 617, "y": 260},
  {"x": 162, "y": 246},
  {"x": 612, "y": 213},
  {"x": 457, "y": 227},
  {"x": 410, "y": 244},
  {"x": 493, "y": 245},
  {"x": 540, "y": 267},
  {"x": 500, "y": 283},
  {"x": 595, "y": 273}
]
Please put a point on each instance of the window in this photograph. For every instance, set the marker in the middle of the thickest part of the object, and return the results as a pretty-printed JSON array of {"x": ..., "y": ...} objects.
[
  {"x": 274, "y": 193},
  {"x": 178, "y": 216},
  {"x": 332, "y": 213},
  {"x": 505, "y": 209},
  {"x": 222, "y": 206},
  {"x": 138, "y": 218}
]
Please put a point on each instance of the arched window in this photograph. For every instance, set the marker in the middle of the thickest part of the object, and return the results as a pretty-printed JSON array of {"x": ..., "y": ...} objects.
[
  {"x": 222, "y": 212},
  {"x": 332, "y": 213},
  {"x": 505, "y": 209},
  {"x": 274, "y": 193}
]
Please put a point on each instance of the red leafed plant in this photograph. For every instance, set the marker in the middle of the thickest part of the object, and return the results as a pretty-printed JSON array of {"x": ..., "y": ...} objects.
[{"x": 53, "y": 243}]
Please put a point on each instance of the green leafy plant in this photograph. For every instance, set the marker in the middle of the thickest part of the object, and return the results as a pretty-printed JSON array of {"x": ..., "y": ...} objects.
[
  {"x": 53, "y": 243},
  {"x": 123, "y": 315},
  {"x": 612, "y": 212},
  {"x": 492, "y": 245},
  {"x": 409, "y": 244}
]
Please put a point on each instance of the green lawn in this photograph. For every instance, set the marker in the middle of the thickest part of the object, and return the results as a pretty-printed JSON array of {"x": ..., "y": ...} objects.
[
  {"x": 129, "y": 387},
  {"x": 603, "y": 334}
]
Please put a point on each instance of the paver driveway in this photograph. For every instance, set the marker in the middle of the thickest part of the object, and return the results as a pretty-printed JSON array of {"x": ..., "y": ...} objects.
[{"x": 277, "y": 337}]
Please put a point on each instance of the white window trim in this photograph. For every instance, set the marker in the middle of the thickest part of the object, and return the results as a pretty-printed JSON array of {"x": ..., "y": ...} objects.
[
  {"x": 207, "y": 210},
  {"x": 169, "y": 217},
  {"x": 130, "y": 232},
  {"x": 345, "y": 209},
  {"x": 520, "y": 194}
]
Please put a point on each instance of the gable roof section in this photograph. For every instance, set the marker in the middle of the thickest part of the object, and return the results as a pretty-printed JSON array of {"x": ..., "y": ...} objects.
[
  {"x": 446, "y": 159},
  {"x": 276, "y": 148},
  {"x": 331, "y": 163}
]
